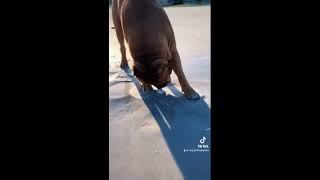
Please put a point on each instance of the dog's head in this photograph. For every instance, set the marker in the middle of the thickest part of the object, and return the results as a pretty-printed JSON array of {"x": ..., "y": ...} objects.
[{"x": 156, "y": 72}]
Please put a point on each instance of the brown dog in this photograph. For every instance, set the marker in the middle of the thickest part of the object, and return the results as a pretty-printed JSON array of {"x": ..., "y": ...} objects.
[{"x": 149, "y": 34}]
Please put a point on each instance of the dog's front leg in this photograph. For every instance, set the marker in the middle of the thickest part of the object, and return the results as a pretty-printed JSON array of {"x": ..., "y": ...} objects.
[
  {"x": 188, "y": 91},
  {"x": 119, "y": 33}
]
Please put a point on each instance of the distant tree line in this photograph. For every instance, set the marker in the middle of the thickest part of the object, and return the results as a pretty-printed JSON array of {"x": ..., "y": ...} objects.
[{"x": 176, "y": 2}]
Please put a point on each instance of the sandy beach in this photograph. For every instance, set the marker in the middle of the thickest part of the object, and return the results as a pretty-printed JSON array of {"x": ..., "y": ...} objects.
[{"x": 156, "y": 136}]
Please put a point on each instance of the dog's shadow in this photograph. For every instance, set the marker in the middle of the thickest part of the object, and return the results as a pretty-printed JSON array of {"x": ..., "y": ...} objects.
[{"x": 183, "y": 123}]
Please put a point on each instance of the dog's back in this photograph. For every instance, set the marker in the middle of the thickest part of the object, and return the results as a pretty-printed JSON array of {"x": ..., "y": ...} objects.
[{"x": 146, "y": 27}]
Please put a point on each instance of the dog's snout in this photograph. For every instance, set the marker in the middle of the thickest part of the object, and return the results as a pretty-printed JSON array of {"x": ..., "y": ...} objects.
[
  {"x": 159, "y": 86},
  {"x": 162, "y": 85}
]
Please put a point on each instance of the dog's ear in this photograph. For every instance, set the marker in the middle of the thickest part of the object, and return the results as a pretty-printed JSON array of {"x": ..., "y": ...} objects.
[{"x": 140, "y": 71}]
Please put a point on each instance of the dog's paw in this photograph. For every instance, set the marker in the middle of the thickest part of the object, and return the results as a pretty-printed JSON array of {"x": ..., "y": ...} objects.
[
  {"x": 191, "y": 94},
  {"x": 146, "y": 88},
  {"x": 124, "y": 65}
]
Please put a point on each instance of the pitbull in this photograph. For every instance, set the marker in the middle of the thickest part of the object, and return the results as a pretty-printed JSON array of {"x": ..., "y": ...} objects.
[{"x": 150, "y": 37}]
